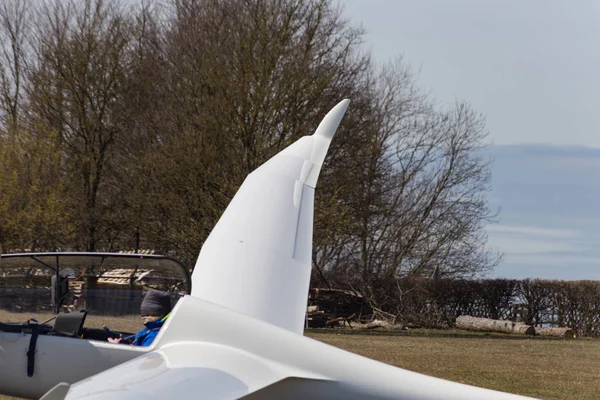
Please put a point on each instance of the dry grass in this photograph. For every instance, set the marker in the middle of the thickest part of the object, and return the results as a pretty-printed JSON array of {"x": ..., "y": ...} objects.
[{"x": 542, "y": 368}]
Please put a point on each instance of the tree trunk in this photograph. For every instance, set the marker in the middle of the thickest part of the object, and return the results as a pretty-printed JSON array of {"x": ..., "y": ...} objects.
[
  {"x": 377, "y": 324},
  {"x": 566, "y": 333},
  {"x": 492, "y": 325}
]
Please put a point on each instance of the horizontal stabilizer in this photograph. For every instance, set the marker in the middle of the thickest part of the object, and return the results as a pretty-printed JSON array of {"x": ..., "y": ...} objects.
[{"x": 184, "y": 371}]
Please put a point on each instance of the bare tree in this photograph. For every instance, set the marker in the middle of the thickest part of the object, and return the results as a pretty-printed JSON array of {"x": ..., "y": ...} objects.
[
  {"x": 419, "y": 199},
  {"x": 81, "y": 67},
  {"x": 14, "y": 33},
  {"x": 244, "y": 80},
  {"x": 152, "y": 117},
  {"x": 32, "y": 214}
]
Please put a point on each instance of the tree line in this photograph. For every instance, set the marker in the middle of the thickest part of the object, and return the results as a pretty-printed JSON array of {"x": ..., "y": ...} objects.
[
  {"x": 131, "y": 125},
  {"x": 414, "y": 301}
]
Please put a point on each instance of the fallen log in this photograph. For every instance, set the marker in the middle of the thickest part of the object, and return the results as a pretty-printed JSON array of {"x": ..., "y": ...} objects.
[
  {"x": 383, "y": 324},
  {"x": 492, "y": 325},
  {"x": 377, "y": 324},
  {"x": 566, "y": 333}
]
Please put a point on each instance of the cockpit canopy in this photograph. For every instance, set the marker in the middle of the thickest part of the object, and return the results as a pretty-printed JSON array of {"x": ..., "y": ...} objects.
[{"x": 101, "y": 283}]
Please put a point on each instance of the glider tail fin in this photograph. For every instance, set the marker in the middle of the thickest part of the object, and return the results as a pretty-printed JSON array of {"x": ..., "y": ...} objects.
[{"x": 257, "y": 259}]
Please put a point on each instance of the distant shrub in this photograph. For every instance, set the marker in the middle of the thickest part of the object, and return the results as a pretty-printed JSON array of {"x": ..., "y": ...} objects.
[{"x": 437, "y": 303}]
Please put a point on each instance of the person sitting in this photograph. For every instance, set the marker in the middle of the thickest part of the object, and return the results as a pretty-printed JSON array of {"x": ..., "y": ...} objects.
[{"x": 154, "y": 311}]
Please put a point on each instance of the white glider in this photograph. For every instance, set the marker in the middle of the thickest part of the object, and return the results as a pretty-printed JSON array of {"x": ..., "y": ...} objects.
[{"x": 239, "y": 333}]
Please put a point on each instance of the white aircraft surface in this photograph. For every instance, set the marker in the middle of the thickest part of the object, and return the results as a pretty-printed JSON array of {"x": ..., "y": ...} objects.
[{"x": 239, "y": 333}]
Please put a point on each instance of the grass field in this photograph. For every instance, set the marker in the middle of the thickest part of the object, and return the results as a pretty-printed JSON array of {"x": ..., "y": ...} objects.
[{"x": 542, "y": 368}]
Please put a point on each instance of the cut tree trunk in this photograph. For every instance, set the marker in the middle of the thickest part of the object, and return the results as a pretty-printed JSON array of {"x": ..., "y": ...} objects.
[
  {"x": 377, "y": 324},
  {"x": 384, "y": 324},
  {"x": 566, "y": 333},
  {"x": 492, "y": 325}
]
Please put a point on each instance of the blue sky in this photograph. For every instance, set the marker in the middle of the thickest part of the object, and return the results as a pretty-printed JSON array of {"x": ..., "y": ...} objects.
[
  {"x": 531, "y": 67},
  {"x": 549, "y": 221}
]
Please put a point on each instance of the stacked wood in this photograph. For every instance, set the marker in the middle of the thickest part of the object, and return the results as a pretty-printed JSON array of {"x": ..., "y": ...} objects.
[
  {"x": 566, "y": 333},
  {"x": 492, "y": 325},
  {"x": 312, "y": 309},
  {"x": 338, "y": 303},
  {"x": 316, "y": 318}
]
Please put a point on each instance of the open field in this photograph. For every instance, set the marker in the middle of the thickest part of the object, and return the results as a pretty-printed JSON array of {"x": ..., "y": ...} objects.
[
  {"x": 538, "y": 367},
  {"x": 542, "y": 368}
]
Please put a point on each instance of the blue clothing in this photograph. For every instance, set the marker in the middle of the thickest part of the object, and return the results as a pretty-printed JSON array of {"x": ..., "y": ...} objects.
[{"x": 146, "y": 336}]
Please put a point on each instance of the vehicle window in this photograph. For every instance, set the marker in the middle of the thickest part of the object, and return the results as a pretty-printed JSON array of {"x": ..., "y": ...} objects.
[{"x": 110, "y": 288}]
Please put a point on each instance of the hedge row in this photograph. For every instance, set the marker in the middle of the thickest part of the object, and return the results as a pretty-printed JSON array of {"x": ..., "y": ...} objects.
[{"x": 429, "y": 303}]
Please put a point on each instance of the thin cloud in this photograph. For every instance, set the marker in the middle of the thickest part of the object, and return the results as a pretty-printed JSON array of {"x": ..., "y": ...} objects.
[
  {"x": 554, "y": 261},
  {"x": 534, "y": 231},
  {"x": 512, "y": 246}
]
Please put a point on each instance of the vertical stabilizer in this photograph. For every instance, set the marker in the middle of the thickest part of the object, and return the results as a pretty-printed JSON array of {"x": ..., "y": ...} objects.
[{"x": 257, "y": 259}]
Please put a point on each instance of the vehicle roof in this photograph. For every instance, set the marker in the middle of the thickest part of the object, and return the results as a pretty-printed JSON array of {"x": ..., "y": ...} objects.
[{"x": 63, "y": 258}]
